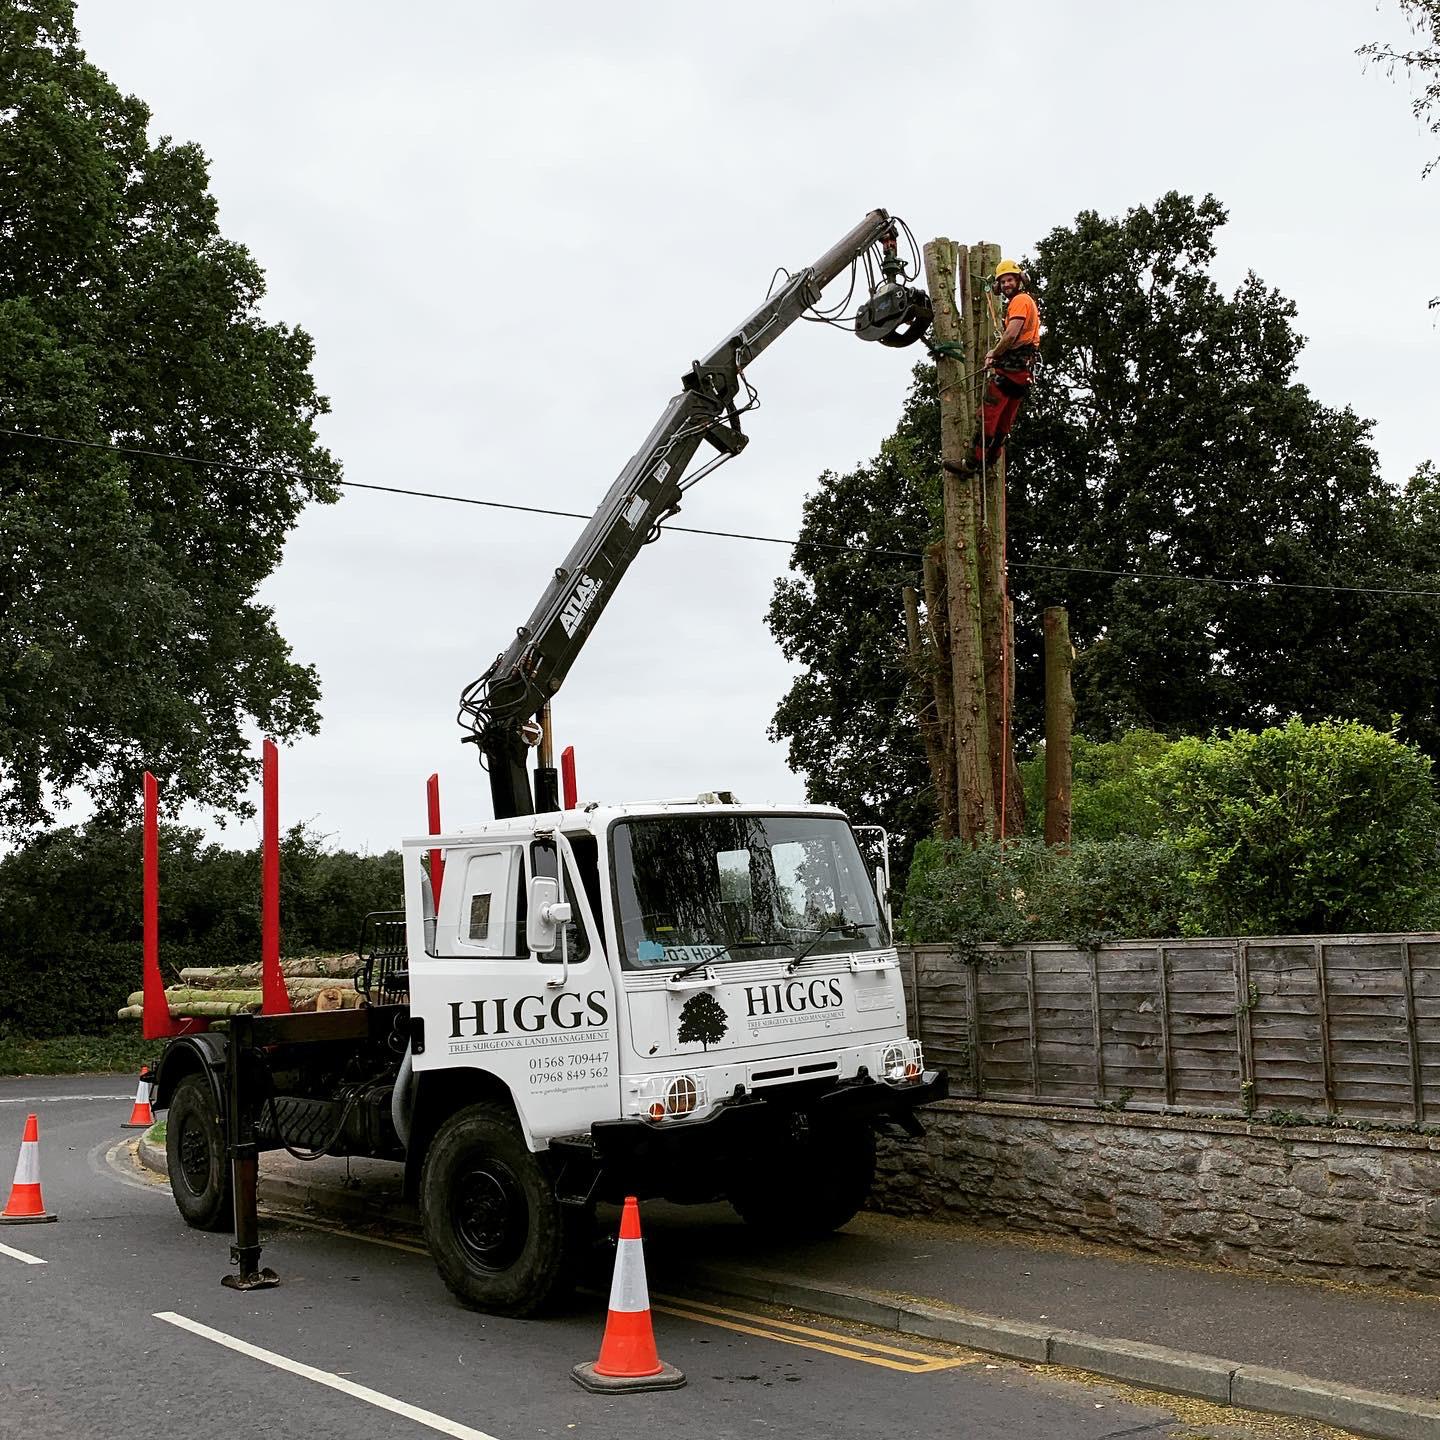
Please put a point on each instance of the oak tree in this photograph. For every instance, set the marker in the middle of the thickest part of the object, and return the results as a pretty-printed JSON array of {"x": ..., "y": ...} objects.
[
  {"x": 130, "y": 632},
  {"x": 1174, "y": 486}
]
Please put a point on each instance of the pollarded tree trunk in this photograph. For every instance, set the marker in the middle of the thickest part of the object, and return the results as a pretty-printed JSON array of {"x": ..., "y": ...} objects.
[
  {"x": 1059, "y": 722},
  {"x": 937, "y": 618},
  {"x": 962, "y": 560},
  {"x": 982, "y": 320}
]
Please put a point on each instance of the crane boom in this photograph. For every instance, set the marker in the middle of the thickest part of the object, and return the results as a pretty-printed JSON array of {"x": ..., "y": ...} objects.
[{"x": 517, "y": 686}]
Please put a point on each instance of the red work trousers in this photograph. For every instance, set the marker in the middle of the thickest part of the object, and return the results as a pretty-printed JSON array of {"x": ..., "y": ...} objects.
[{"x": 1004, "y": 396}]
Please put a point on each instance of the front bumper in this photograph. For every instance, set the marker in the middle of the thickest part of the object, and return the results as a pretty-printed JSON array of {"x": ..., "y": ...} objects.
[{"x": 735, "y": 1126}]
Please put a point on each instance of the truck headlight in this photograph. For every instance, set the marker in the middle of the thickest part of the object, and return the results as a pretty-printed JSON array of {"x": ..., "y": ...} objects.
[
  {"x": 901, "y": 1062},
  {"x": 669, "y": 1097}
]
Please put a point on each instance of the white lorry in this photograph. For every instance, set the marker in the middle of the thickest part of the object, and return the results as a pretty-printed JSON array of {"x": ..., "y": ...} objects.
[{"x": 697, "y": 1000}]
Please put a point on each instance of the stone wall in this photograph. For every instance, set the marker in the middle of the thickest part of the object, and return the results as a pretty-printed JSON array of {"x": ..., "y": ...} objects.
[{"x": 1343, "y": 1205}]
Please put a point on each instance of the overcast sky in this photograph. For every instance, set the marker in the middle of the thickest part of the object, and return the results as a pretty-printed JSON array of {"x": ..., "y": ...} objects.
[{"x": 509, "y": 227}]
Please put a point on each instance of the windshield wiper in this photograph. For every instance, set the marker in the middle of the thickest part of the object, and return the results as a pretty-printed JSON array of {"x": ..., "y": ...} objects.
[
  {"x": 702, "y": 964},
  {"x": 848, "y": 928}
]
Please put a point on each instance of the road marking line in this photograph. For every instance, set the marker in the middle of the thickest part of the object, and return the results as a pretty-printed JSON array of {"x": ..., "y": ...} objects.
[
  {"x": 21, "y": 1256},
  {"x": 54, "y": 1099},
  {"x": 854, "y": 1340},
  {"x": 847, "y": 1347},
  {"x": 840, "y": 1349},
  {"x": 325, "y": 1377}
]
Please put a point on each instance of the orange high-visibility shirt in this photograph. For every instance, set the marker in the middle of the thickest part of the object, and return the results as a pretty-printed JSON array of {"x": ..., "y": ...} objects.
[{"x": 1021, "y": 306}]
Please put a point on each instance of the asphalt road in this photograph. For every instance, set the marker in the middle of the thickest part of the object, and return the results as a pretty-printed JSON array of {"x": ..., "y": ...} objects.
[{"x": 126, "y": 1331}]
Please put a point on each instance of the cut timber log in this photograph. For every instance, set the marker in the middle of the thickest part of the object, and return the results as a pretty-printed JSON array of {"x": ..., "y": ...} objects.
[
  {"x": 308, "y": 967},
  {"x": 201, "y": 1002},
  {"x": 178, "y": 995},
  {"x": 200, "y": 1009}
]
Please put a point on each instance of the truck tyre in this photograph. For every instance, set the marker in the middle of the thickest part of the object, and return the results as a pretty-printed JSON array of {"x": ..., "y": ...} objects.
[
  {"x": 195, "y": 1157},
  {"x": 802, "y": 1187},
  {"x": 501, "y": 1239}
]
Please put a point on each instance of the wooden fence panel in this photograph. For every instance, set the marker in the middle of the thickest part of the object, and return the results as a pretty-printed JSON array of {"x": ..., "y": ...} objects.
[
  {"x": 1203, "y": 1035},
  {"x": 1006, "y": 1047},
  {"x": 1369, "y": 1046},
  {"x": 1132, "y": 1024},
  {"x": 1289, "y": 1067},
  {"x": 1425, "y": 985},
  {"x": 1348, "y": 1025},
  {"x": 1064, "y": 1024},
  {"x": 944, "y": 1027}
]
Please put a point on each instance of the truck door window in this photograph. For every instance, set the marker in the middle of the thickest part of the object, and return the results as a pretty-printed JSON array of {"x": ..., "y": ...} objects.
[
  {"x": 545, "y": 861},
  {"x": 487, "y": 919},
  {"x": 479, "y": 929}
]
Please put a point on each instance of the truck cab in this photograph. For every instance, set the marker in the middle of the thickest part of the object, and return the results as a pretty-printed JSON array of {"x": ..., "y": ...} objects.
[
  {"x": 709, "y": 953},
  {"x": 694, "y": 999}
]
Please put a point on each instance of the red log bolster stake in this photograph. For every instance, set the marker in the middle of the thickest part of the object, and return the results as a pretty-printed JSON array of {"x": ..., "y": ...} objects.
[
  {"x": 437, "y": 857},
  {"x": 628, "y": 1358},
  {"x": 25, "y": 1206},
  {"x": 567, "y": 776},
  {"x": 274, "y": 998},
  {"x": 155, "y": 1021}
]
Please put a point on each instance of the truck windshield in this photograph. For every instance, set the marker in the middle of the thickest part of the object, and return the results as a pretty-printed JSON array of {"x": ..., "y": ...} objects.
[{"x": 695, "y": 888}]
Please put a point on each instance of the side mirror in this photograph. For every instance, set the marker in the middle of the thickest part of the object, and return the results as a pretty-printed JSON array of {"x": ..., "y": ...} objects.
[{"x": 545, "y": 914}]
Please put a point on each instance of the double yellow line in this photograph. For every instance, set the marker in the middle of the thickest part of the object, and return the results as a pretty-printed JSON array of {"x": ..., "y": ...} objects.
[
  {"x": 830, "y": 1342},
  {"x": 744, "y": 1322}
]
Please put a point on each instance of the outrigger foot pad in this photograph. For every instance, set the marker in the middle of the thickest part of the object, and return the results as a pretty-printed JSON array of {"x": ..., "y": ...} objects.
[{"x": 265, "y": 1279}]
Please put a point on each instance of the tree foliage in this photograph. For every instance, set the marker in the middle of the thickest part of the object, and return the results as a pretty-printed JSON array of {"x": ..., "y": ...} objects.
[
  {"x": 1166, "y": 436},
  {"x": 130, "y": 635},
  {"x": 1419, "y": 62},
  {"x": 70, "y": 910},
  {"x": 1110, "y": 795},
  {"x": 1301, "y": 829},
  {"x": 1326, "y": 828},
  {"x": 1024, "y": 890}
]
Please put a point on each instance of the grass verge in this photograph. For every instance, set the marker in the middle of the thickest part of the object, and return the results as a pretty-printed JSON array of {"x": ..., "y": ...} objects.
[{"x": 117, "y": 1051}]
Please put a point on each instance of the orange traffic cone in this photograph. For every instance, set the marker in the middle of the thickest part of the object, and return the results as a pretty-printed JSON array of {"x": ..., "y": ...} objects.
[
  {"x": 25, "y": 1206},
  {"x": 628, "y": 1360},
  {"x": 142, "y": 1117}
]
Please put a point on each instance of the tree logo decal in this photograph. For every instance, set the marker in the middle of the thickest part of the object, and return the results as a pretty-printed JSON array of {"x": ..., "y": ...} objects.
[{"x": 703, "y": 1018}]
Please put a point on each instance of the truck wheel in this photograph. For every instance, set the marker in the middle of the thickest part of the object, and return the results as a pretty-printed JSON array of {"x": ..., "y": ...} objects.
[
  {"x": 195, "y": 1157},
  {"x": 501, "y": 1240},
  {"x": 803, "y": 1188}
]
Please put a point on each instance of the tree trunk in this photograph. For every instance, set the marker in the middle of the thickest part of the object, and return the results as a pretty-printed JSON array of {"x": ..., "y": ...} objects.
[
  {"x": 937, "y": 620},
  {"x": 982, "y": 320},
  {"x": 1059, "y": 721},
  {"x": 962, "y": 560},
  {"x": 922, "y": 661}
]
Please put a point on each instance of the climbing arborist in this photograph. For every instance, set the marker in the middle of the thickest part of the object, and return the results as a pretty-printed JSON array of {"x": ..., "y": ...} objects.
[{"x": 1008, "y": 364}]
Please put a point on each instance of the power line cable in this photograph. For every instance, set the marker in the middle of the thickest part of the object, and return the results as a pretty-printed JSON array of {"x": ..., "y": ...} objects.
[{"x": 857, "y": 550}]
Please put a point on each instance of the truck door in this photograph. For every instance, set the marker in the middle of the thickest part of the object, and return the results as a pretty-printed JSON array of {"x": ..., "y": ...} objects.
[{"x": 542, "y": 1022}]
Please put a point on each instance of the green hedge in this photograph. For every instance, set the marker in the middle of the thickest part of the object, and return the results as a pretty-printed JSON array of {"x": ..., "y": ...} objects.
[
  {"x": 1101, "y": 890},
  {"x": 1324, "y": 828},
  {"x": 1111, "y": 796}
]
